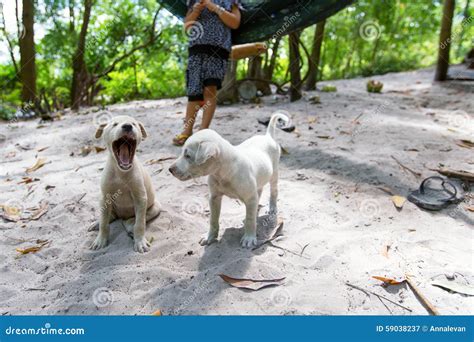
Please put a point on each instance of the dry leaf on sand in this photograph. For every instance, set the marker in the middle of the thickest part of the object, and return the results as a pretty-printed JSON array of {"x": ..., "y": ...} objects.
[
  {"x": 27, "y": 180},
  {"x": 251, "y": 284},
  {"x": 10, "y": 213},
  {"x": 157, "y": 313},
  {"x": 389, "y": 281},
  {"x": 465, "y": 143},
  {"x": 39, "y": 211},
  {"x": 398, "y": 201},
  {"x": 99, "y": 149},
  {"x": 385, "y": 250},
  {"x": 38, "y": 164},
  {"x": 33, "y": 249},
  {"x": 471, "y": 208},
  {"x": 41, "y": 149},
  {"x": 156, "y": 161}
]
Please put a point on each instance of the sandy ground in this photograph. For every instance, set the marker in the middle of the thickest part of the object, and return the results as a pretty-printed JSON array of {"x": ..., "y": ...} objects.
[{"x": 339, "y": 226}]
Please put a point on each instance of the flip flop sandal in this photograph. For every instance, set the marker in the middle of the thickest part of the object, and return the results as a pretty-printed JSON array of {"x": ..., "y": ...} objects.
[
  {"x": 266, "y": 120},
  {"x": 180, "y": 139},
  {"x": 431, "y": 198}
]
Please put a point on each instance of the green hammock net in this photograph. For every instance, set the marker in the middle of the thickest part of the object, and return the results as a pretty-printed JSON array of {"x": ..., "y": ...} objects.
[{"x": 264, "y": 19}]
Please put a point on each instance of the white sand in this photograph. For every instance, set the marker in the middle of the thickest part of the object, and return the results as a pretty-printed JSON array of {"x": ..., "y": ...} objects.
[{"x": 329, "y": 201}]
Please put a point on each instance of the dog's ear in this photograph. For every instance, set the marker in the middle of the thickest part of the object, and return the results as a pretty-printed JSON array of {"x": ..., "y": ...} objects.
[
  {"x": 205, "y": 151},
  {"x": 99, "y": 131},
  {"x": 143, "y": 130}
]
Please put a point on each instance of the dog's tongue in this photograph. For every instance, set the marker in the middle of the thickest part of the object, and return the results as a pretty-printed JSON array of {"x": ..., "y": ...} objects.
[{"x": 124, "y": 154}]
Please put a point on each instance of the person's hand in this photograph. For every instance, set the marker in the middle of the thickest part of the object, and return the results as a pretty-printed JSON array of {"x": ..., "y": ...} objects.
[
  {"x": 210, "y": 5},
  {"x": 198, "y": 6}
]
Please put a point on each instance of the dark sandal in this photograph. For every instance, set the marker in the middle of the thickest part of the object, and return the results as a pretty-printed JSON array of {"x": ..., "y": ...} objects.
[
  {"x": 434, "y": 199},
  {"x": 266, "y": 120}
]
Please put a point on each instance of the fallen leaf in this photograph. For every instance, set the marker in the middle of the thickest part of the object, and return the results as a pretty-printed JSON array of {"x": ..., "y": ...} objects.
[
  {"x": 10, "y": 213},
  {"x": 312, "y": 119},
  {"x": 40, "y": 211},
  {"x": 48, "y": 187},
  {"x": 455, "y": 287},
  {"x": 398, "y": 201},
  {"x": 385, "y": 250},
  {"x": 284, "y": 151},
  {"x": 251, "y": 284},
  {"x": 159, "y": 160},
  {"x": 33, "y": 249},
  {"x": 389, "y": 281},
  {"x": 99, "y": 149},
  {"x": 27, "y": 180},
  {"x": 40, "y": 162},
  {"x": 157, "y": 313},
  {"x": 41, "y": 149},
  {"x": 323, "y": 137},
  {"x": 471, "y": 208},
  {"x": 465, "y": 143},
  {"x": 85, "y": 150}
]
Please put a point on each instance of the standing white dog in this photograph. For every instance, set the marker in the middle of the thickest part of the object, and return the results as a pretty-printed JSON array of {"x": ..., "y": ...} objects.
[
  {"x": 127, "y": 191},
  {"x": 235, "y": 171}
]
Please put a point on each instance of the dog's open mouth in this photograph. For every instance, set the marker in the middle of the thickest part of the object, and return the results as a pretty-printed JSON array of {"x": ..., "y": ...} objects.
[{"x": 124, "y": 151}]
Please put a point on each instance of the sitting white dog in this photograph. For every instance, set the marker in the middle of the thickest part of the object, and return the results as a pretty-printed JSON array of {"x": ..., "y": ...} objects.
[
  {"x": 235, "y": 171},
  {"x": 127, "y": 191}
]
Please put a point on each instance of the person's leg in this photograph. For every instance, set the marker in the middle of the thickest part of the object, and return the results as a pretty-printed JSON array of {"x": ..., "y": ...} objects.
[
  {"x": 191, "y": 112},
  {"x": 209, "y": 108}
]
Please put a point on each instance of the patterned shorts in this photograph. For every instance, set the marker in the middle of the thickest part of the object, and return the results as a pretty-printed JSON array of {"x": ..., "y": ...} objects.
[{"x": 203, "y": 70}]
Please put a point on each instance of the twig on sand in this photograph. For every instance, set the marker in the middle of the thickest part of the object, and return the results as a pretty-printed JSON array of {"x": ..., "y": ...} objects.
[
  {"x": 461, "y": 174},
  {"x": 367, "y": 292},
  {"x": 426, "y": 303},
  {"x": 287, "y": 250},
  {"x": 416, "y": 174}
]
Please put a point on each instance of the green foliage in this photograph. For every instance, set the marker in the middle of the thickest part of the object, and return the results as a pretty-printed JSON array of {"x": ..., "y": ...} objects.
[{"x": 370, "y": 37}]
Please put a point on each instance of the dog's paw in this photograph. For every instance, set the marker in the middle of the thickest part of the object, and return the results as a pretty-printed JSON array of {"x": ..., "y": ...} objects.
[
  {"x": 208, "y": 239},
  {"x": 99, "y": 242},
  {"x": 141, "y": 245},
  {"x": 249, "y": 241}
]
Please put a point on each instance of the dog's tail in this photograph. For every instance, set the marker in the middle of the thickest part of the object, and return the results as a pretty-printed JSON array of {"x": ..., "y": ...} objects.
[{"x": 277, "y": 118}]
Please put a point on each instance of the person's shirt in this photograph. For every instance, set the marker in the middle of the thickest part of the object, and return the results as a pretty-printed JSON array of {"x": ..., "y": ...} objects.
[{"x": 209, "y": 29}]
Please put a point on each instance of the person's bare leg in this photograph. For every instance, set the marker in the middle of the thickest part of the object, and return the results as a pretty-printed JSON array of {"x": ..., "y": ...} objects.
[
  {"x": 191, "y": 111},
  {"x": 209, "y": 108}
]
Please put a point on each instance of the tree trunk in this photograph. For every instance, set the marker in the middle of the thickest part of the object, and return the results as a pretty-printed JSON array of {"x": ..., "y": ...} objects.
[
  {"x": 271, "y": 65},
  {"x": 445, "y": 41},
  {"x": 255, "y": 71},
  {"x": 27, "y": 54},
  {"x": 229, "y": 93},
  {"x": 294, "y": 67},
  {"x": 79, "y": 75},
  {"x": 315, "y": 56}
]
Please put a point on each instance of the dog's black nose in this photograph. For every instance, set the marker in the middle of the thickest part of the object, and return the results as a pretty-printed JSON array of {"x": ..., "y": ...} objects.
[{"x": 127, "y": 127}]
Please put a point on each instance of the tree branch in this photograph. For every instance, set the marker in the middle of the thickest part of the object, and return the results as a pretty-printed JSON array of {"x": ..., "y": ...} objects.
[{"x": 150, "y": 41}]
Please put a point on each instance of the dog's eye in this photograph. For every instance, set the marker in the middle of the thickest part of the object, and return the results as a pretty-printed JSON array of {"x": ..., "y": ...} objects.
[{"x": 187, "y": 156}]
